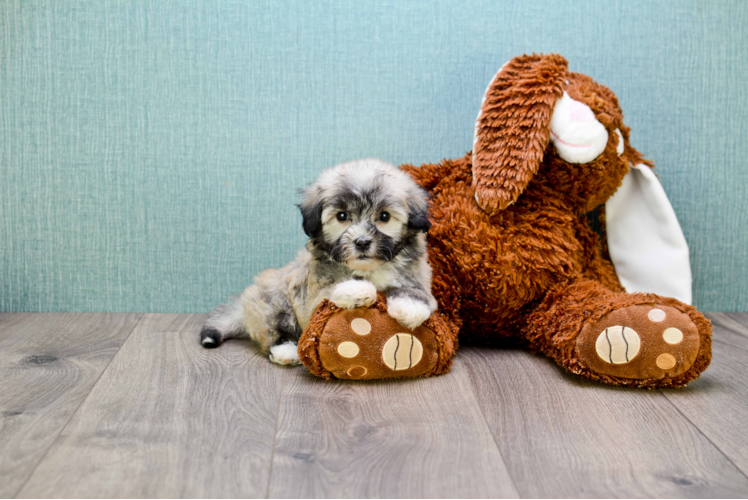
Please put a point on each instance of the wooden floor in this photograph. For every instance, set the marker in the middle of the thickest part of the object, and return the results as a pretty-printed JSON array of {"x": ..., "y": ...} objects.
[{"x": 129, "y": 405}]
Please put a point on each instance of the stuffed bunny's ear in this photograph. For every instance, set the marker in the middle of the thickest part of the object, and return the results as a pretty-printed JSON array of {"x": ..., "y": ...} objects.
[
  {"x": 513, "y": 127},
  {"x": 645, "y": 241}
]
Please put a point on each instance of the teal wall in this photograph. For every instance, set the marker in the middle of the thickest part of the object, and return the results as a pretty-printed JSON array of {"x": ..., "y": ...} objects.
[{"x": 150, "y": 151}]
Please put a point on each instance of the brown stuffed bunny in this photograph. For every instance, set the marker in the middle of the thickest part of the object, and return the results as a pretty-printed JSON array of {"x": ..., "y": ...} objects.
[
  {"x": 514, "y": 258},
  {"x": 513, "y": 254}
]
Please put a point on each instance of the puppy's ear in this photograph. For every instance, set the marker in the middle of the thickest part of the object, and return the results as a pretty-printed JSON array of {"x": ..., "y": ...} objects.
[
  {"x": 311, "y": 211},
  {"x": 312, "y": 216},
  {"x": 513, "y": 127},
  {"x": 418, "y": 216}
]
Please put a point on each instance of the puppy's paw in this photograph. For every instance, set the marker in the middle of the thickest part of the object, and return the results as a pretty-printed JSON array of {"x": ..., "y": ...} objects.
[
  {"x": 285, "y": 354},
  {"x": 353, "y": 293},
  {"x": 408, "y": 312}
]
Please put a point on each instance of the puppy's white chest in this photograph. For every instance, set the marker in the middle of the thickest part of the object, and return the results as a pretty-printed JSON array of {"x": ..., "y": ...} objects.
[{"x": 383, "y": 278}]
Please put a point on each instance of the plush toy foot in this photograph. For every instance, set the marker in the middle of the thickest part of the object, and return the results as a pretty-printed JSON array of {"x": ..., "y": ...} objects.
[
  {"x": 641, "y": 343},
  {"x": 366, "y": 343}
]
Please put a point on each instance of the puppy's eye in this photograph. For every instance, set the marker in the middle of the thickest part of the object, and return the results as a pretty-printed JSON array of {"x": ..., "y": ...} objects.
[
  {"x": 342, "y": 216},
  {"x": 384, "y": 216}
]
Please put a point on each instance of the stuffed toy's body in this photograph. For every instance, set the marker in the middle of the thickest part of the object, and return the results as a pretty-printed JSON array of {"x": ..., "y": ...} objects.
[{"x": 514, "y": 258}]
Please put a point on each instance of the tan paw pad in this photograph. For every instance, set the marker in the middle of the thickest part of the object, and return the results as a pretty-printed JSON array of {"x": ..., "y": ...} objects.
[
  {"x": 618, "y": 345},
  {"x": 357, "y": 371},
  {"x": 665, "y": 361},
  {"x": 402, "y": 352},
  {"x": 360, "y": 326},
  {"x": 348, "y": 349},
  {"x": 672, "y": 336},
  {"x": 657, "y": 315}
]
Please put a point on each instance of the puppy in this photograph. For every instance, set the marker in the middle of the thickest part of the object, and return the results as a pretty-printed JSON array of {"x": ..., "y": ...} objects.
[{"x": 367, "y": 223}]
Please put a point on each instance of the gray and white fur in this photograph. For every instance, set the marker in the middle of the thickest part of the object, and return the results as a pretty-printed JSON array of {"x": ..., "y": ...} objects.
[{"x": 367, "y": 223}]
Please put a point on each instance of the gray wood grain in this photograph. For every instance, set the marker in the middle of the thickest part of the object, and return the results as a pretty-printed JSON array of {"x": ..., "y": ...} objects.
[
  {"x": 564, "y": 437},
  {"x": 735, "y": 322},
  {"x": 402, "y": 438},
  {"x": 48, "y": 365},
  {"x": 166, "y": 418},
  {"x": 169, "y": 419},
  {"x": 717, "y": 403}
]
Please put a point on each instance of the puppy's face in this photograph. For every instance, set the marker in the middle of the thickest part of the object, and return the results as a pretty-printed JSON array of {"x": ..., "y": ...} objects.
[{"x": 363, "y": 213}]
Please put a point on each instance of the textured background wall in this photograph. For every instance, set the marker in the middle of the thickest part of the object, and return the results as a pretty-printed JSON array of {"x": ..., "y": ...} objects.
[{"x": 150, "y": 151}]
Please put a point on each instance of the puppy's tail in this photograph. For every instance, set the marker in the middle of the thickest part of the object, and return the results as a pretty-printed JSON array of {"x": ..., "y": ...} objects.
[{"x": 225, "y": 322}]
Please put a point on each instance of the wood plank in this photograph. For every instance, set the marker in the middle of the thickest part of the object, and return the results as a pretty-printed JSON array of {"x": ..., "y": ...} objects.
[
  {"x": 401, "y": 438},
  {"x": 562, "y": 436},
  {"x": 717, "y": 403},
  {"x": 735, "y": 322},
  {"x": 169, "y": 419},
  {"x": 48, "y": 365}
]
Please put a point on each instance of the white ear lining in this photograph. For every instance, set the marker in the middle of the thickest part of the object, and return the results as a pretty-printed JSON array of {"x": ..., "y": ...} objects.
[
  {"x": 575, "y": 132},
  {"x": 645, "y": 241},
  {"x": 620, "y": 145}
]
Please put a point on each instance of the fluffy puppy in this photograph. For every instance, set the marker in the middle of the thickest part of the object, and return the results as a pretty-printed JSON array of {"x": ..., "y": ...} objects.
[{"x": 367, "y": 223}]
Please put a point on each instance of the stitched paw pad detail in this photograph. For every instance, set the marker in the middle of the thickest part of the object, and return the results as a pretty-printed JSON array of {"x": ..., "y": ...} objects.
[
  {"x": 640, "y": 342},
  {"x": 366, "y": 343},
  {"x": 618, "y": 345}
]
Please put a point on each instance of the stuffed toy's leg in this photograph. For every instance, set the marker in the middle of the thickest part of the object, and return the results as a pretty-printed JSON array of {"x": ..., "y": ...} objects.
[
  {"x": 367, "y": 343},
  {"x": 637, "y": 339}
]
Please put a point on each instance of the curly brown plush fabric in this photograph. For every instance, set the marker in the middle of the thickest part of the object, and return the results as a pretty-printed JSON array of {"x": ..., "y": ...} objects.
[
  {"x": 513, "y": 255},
  {"x": 523, "y": 83}
]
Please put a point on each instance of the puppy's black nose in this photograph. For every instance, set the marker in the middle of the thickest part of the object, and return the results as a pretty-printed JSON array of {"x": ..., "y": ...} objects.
[{"x": 362, "y": 243}]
